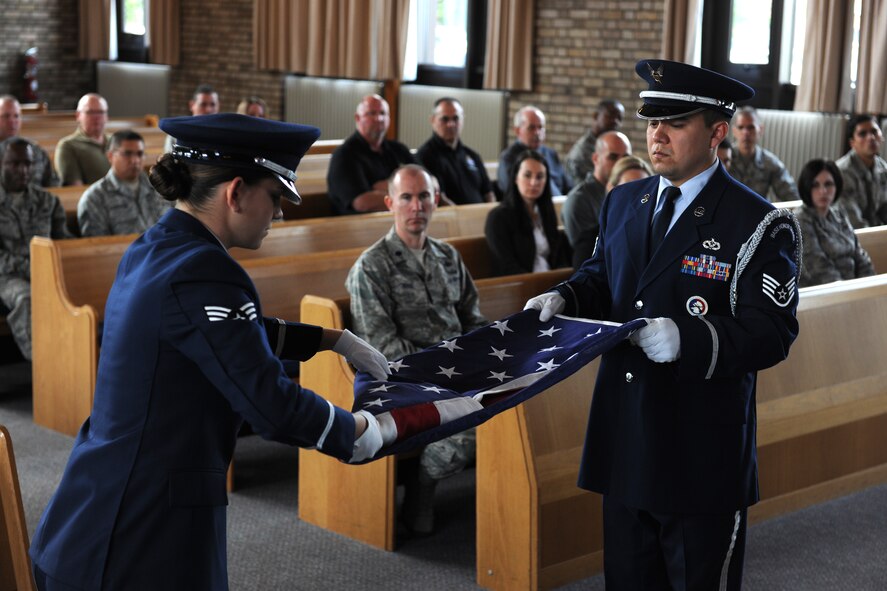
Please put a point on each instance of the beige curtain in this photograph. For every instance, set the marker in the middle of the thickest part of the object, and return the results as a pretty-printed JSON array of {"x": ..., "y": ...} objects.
[
  {"x": 871, "y": 79},
  {"x": 679, "y": 31},
  {"x": 95, "y": 29},
  {"x": 826, "y": 69},
  {"x": 164, "y": 26},
  {"x": 509, "y": 53},
  {"x": 392, "y": 31},
  {"x": 331, "y": 37}
]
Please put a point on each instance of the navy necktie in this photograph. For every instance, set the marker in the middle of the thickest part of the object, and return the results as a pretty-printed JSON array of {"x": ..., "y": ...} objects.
[{"x": 663, "y": 218}]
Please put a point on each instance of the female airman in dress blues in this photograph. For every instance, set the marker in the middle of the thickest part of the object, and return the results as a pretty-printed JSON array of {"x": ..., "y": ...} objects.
[{"x": 186, "y": 357}]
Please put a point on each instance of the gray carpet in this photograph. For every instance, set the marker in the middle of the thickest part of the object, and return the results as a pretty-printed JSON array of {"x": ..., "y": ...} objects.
[{"x": 838, "y": 545}]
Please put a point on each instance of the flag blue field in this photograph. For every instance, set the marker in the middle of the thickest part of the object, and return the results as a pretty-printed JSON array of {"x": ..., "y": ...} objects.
[{"x": 462, "y": 382}]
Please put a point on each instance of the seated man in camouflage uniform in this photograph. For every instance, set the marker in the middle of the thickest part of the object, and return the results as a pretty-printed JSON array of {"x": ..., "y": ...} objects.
[
  {"x": 25, "y": 211},
  {"x": 42, "y": 172},
  {"x": 753, "y": 166},
  {"x": 124, "y": 201},
  {"x": 865, "y": 173},
  {"x": 408, "y": 292}
]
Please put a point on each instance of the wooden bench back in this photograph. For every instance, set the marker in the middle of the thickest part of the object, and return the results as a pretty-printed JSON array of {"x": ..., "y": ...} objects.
[
  {"x": 841, "y": 343},
  {"x": 15, "y": 565},
  {"x": 874, "y": 241}
]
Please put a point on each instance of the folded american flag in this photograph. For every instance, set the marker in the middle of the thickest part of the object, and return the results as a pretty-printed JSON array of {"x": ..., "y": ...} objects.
[{"x": 463, "y": 382}]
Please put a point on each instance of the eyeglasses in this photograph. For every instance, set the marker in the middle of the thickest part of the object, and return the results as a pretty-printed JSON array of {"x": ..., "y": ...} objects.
[
  {"x": 131, "y": 153},
  {"x": 446, "y": 119}
]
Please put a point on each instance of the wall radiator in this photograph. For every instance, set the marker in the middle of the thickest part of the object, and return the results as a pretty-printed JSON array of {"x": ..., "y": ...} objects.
[
  {"x": 797, "y": 137},
  {"x": 486, "y": 112},
  {"x": 133, "y": 90},
  {"x": 327, "y": 103}
]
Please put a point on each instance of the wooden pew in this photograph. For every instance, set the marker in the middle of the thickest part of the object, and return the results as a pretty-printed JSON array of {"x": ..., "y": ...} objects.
[
  {"x": 70, "y": 282},
  {"x": 15, "y": 565},
  {"x": 822, "y": 413},
  {"x": 874, "y": 241},
  {"x": 358, "y": 501}
]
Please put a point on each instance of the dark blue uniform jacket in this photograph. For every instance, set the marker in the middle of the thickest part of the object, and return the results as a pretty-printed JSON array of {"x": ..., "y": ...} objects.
[
  {"x": 680, "y": 437},
  {"x": 185, "y": 359}
]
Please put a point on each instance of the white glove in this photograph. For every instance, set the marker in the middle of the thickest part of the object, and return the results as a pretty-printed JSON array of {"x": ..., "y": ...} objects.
[
  {"x": 549, "y": 304},
  {"x": 660, "y": 339},
  {"x": 370, "y": 441},
  {"x": 362, "y": 355}
]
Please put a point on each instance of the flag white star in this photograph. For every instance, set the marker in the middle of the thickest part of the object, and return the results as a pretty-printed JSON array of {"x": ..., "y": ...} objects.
[
  {"x": 448, "y": 371},
  {"x": 450, "y": 346},
  {"x": 548, "y": 365},
  {"x": 432, "y": 389},
  {"x": 377, "y": 402},
  {"x": 501, "y": 326},
  {"x": 397, "y": 365},
  {"x": 548, "y": 332},
  {"x": 591, "y": 334},
  {"x": 498, "y": 375},
  {"x": 500, "y": 353},
  {"x": 380, "y": 388},
  {"x": 549, "y": 349}
]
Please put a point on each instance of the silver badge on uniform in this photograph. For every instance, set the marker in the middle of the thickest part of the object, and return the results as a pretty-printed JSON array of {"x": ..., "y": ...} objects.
[
  {"x": 712, "y": 244},
  {"x": 218, "y": 313},
  {"x": 780, "y": 293},
  {"x": 699, "y": 211},
  {"x": 697, "y": 306},
  {"x": 645, "y": 198}
]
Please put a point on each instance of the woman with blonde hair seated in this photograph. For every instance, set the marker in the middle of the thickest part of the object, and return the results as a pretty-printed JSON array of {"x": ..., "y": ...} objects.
[
  {"x": 627, "y": 169},
  {"x": 831, "y": 249},
  {"x": 253, "y": 106}
]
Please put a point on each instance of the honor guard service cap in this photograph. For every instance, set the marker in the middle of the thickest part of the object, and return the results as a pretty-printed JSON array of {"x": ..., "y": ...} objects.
[
  {"x": 241, "y": 141},
  {"x": 680, "y": 90}
]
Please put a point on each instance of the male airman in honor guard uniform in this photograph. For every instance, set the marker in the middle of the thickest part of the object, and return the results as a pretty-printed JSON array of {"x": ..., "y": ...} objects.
[{"x": 713, "y": 267}]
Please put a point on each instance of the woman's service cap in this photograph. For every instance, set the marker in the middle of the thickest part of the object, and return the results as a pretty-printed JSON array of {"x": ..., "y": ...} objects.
[
  {"x": 241, "y": 141},
  {"x": 680, "y": 90}
]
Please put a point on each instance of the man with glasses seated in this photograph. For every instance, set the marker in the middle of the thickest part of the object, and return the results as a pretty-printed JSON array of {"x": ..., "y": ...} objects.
[
  {"x": 459, "y": 169},
  {"x": 124, "y": 201},
  {"x": 80, "y": 157},
  {"x": 583, "y": 205}
]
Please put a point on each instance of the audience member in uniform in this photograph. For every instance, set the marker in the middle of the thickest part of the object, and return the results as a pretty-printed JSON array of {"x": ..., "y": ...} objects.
[
  {"x": 357, "y": 178},
  {"x": 204, "y": 101},
  {"x": 831, "y": 250},
  {"x": 630, "y": 168},
  {"x": 42, "y": 172},
  {"x": 459, "y": 169},
  {"x": 408, "y": 292},
  {"x": 865, "y": 173},
  {"x": 124, "y": 202},
  {"x": 758, "y": 169},
  {"x": 522, "y": 231},
  {"x": 607, "y": 116},
  {"x": 25, "y": 211},
  {"x": 253, "y": 106},
  {"x": 80, "y": 157},
  {"x": 529, "y": 127},
  {"x": 725, "y": 154},
  {"x": 583, "y": 205}
]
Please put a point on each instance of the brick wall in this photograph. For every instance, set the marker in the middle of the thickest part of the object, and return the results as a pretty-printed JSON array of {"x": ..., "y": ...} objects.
[
  {"x": 585, "y": 51},
  {"x": 51, "y": 26},
  {"x": 217, "y": 49}
]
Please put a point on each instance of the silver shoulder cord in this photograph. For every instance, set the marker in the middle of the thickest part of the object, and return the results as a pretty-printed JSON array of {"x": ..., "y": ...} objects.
[{"x": 747, "y": 251}]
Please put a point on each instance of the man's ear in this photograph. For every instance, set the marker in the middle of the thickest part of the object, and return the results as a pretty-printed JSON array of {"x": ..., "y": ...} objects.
[
  {"x": 389, "y": 203},
  {"x": 233, "y": 194},
  {"x": 719, "y": 131}
]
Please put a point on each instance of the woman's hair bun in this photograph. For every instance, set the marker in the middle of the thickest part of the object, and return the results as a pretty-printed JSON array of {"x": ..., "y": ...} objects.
[{"x": 171, "y": 178}]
